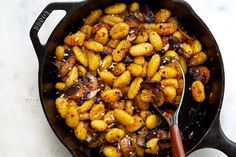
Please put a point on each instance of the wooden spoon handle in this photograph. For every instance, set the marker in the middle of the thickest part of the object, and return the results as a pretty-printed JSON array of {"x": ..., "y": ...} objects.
[{"x": 176, "y": 142}]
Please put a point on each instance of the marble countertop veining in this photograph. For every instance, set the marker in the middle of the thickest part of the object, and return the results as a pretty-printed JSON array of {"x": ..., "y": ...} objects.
[{"x": 24, "y": 130}]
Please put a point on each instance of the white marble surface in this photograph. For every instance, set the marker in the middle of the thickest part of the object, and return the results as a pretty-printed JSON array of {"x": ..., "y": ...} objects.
[{"x": 24, "y": 131}]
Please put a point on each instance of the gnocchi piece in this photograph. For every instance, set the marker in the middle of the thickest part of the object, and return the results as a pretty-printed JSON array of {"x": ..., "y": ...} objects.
[
  {"x": 156, "y": 77},
  {"x": 118, "y": 105},
  {"x": 72, "y": 103},
  {"x": 197, "y": 59},
  {"x": 168, "y": 72},
  {"x": 143, "y": 49},
  {"x": 166, "y": 28},
  {"x": 84, "y": 116},
  {"x": 102, "y": 36},
  {"x": 138, "y": 123},
  {"x": 97, "y": 112},
  {"x": 107, "y": 77},
  {"x": 62, "y": 106},
  {"x": 170, "y": 93},
  {"x": 196, "y": 46},
  {"x": 111, "y": 151},
  {"x": 178, "y": 35},
  {"x": 140, "y": 60},
  {"x": 170, "y": 82},
  {"x": 149, "y": 26},
  {"x": 123, "y": 117},
  {"x": 60, "y": 85},
  {"x": 123, "y": 80},
  {"x": 145, "y": 114},
  {"x": 72, "y": 117},
  {"x": 93, "y": 61},
  {"x": 141, "y": 38},
  {"x": 93, "y": 17},
  {"x": 151, "y": 121},
  {"x": 80, "y": 56},
  {"x": 172, "y": 53},
  {"x": 81, "y": 70},
  {"x": 76, "y": 39},
  {"x": 60, "y": 52},
  {"x": 94, "y": 46},
  {"x": 163, "y": 15},
  {"x": 140, "y": 103},
  {"x": 152, "y": 146},
  {"x": 119, "y": 31},
  {"x": 119, "y": 69},
  {"x": 81, "y": 131},
  {"x": 113, "y": 43},
  {"x": 109, "y": 117},
  {"x": 134, "y": 6},
  {"x": 117, "y": 8},
  {"x": 129, "y": 107},
  {"x": 155, "y": 40},
  {"x": 198, "y": 91},
  {"x": 72, "y": 76},
  {"x": 87, "y": 30},
  {"x": 187, "y": 49},
  {"x": 121, "y": 50},
  {"x": 106, "y": 63},
  {"x": 135, "y": 69},
  {"x": 153, "y": 65},
  {"x": 114, "y": 135},
  {"x": 86, "y": 106},
  {"x": 99, "y": 125},
  {"x": 112, "y": 20},
  {"x": 112, "y": 95},
  {"x": 134, "y": 87},
  {"x": 99, "y": 26},
  {"x": 144, "y": 72}
]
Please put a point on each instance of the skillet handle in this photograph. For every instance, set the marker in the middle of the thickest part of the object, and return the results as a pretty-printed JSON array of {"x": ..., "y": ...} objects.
[
  {"x": 40, "y": 49},
  {"x": 176, "y": 142},
  {"x": 215, "y": 138}
]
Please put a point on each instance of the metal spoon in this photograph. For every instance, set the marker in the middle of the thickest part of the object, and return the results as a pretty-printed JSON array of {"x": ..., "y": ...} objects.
[{"x": 176, "y": 139}]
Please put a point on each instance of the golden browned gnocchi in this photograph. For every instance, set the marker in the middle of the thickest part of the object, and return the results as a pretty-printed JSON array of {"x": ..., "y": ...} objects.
[
  {"x": 112, "y": 73},
  {"x": 112, "y": 20},
  {"x": 94, "y": 46},
  {"x": 102, "y": 36},
  {"x": 153, "y": 65},
  {"x": 93, "y": 17},
  {"x": 114, "y": 135},
  {"x": 119, "y": 31},
  {"x": 116, "y": 8},
  {"x": 198, "y": 91},
  {"x": 121, "y": 50},
  {"x": 81, "y": 131},
  {"x": 75, "y": 39},
  {"x": 123, "y": 117},
  {"x": 80, "y": 56},
  {"x": 123, "y": 80},
  {"x": 99, "y": 125},
  {"x": 111, "y": 151},
  {"x": 143, "y": 49}
]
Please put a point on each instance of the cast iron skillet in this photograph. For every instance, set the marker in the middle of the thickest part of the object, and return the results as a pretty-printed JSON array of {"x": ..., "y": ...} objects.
[{"x": 199, "y": 123}]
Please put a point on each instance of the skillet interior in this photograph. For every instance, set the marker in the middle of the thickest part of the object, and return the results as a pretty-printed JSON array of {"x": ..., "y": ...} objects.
[{"x": 194, "y": 120}]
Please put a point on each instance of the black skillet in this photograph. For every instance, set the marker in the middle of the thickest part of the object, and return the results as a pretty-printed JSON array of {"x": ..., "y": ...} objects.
[{"x": 199, "y": 123}]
